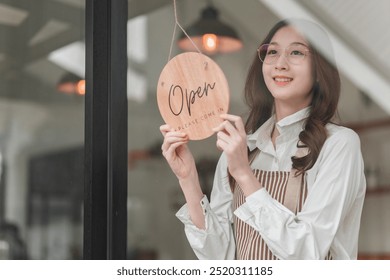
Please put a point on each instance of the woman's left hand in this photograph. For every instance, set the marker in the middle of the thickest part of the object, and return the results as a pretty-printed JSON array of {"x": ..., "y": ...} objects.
[{"x": 231, "y": 138}]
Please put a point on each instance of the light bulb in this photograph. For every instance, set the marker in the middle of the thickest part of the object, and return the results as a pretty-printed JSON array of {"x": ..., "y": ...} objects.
[
  {"x": 80, "y": 87},
  {"x": 210, "y": 42}
]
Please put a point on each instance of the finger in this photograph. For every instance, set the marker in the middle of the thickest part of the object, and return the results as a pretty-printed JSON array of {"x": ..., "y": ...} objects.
[
  {"x": 164, "y": 129},
  {"x": 173, "y": 133},
  {"x": 169, "y": 153},
  {"x": 238, "y": 124},
  {"x": 228, "y": 132},
  {"x": 236, "y": 120},
  {"x": 167, "y": 131},
  {"x": 230, "y": 129},
  {"x": 222, "y": 145},
  {"x": 172, "y": 139},
  {"x": 222, "y": 135},
  {"x": 220, "y": 127}
]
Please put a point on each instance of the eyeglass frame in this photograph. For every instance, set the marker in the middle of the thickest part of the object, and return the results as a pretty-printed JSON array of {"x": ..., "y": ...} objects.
[{"x": 306, "y": 53}]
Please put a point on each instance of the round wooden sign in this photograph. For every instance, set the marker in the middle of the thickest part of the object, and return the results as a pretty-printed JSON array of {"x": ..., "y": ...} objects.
[{"x": 192, "y": 92}]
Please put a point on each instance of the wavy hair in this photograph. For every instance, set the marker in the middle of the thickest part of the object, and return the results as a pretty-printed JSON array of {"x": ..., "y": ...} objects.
[{"x": 325, "y": 92}]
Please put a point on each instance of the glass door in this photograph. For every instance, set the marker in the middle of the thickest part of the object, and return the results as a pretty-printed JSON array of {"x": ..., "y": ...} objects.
[{"x": 154, "y": 194}]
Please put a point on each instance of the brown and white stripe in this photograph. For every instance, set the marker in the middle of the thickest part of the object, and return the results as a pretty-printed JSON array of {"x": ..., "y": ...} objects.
[{"x": 249, "y": 243}]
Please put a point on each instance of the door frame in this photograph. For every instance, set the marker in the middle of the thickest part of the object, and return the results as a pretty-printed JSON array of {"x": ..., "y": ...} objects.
[{"x": 105, "y": 186}]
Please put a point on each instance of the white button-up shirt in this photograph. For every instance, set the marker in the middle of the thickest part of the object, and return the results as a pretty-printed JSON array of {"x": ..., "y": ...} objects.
[{"x": 329, "y": 219}]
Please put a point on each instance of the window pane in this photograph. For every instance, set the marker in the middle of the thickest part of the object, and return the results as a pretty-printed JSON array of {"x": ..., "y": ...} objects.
[
  {"x": 364, "y": 105},
  {"x": 41, "y": 129}
]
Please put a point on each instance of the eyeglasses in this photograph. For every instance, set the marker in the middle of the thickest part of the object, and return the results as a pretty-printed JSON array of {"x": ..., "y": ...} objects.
[{"x": 270, "y": 53}]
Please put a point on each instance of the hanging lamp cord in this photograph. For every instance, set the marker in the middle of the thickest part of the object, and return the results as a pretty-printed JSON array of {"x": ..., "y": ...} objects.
[{"x": 174, "y": 32}]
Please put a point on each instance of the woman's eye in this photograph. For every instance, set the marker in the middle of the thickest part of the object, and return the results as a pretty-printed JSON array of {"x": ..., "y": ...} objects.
[
  {"x": 296, "y": 52},
  {"x": 272, "y": 52}
]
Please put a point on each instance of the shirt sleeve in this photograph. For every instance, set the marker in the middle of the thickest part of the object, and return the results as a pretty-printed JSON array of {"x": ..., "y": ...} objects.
[
  {"x": 331, "y": 196},
  {"x": 217, "y": 240}
]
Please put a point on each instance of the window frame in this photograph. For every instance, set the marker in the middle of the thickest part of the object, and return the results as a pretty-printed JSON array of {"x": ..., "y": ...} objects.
[{"x": 105, "y": 186}]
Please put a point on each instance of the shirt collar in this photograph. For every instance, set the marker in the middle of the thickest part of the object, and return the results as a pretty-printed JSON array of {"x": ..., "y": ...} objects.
[{"x": 290, "y": 126}]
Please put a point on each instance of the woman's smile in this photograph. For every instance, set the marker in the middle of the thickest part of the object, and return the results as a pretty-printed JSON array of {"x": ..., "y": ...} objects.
[{"x": 282, "y": 80}]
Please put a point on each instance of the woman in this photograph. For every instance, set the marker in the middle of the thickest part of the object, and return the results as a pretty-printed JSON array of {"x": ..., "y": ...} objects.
[{"x": 290, "y": 181}]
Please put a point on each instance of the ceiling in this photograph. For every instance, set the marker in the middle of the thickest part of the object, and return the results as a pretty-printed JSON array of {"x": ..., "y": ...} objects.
[{"x": 31, "y": 30}]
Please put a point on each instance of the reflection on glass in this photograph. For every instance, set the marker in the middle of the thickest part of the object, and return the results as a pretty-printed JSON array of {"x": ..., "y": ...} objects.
[
  {"x": 154, "y": 195},
  {"x": 151, "y": 184},
  {"x": 41, "y": 130}
]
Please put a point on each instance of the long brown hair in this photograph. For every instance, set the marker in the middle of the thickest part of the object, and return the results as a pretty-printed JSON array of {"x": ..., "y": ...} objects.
[{"x": 325, "y": 93}]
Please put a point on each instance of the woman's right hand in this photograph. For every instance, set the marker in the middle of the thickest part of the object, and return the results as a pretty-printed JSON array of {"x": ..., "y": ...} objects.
[
  {"x": 182, "y": 163},
  {"x": 177, "y": 153}
]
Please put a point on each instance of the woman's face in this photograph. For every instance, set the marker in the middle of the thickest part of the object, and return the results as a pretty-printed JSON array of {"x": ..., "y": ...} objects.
[{"x": 290, "y": 81}]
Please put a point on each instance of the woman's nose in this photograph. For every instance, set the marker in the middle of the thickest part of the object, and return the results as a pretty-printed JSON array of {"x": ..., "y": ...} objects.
[{"x": 281, "y": 62}]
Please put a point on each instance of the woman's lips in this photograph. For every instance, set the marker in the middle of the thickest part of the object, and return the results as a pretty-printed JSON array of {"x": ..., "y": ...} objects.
[{"x": 281, "y": 80}]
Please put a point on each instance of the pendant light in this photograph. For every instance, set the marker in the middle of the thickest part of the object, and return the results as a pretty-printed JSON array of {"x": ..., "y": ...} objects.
[
  {"x": 71, "y": 84},
  {"x": 210, "y": 35}
]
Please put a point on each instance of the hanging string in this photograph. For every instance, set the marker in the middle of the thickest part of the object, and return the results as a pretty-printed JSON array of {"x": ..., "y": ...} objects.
[{"x": 182, "y": 29}]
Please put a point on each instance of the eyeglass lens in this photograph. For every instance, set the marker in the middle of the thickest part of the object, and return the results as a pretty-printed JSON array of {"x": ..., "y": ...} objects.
[{"x": 269, "y": 53}]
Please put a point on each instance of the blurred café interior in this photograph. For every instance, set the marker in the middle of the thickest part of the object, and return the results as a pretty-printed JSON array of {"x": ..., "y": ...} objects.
[{"x": 43, "y": 101}]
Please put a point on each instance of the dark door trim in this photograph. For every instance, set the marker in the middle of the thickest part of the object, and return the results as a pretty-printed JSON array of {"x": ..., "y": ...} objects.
[{"x": 105, "y": 189}]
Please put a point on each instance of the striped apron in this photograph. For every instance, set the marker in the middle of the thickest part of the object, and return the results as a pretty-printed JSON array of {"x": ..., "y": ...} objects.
[{"x": 249, "y": 243}]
